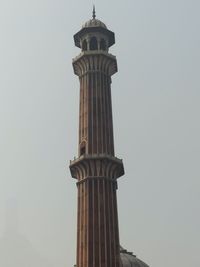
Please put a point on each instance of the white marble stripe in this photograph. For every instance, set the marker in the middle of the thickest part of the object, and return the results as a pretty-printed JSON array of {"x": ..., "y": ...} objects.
[
  {"x": 83, "y": 226},
  {"x": 104, "y": 218},
  {"x": 101, "y": 111},
  {"x": 93, "y": 229},
  {"x": 92, "y": 118},
  {"x": 87, "y": 223},
  {"x": 99, "y": 223},
  {"x": 109, "y": 222},
  {"x": 113, "y": 223},
  {"x": 78, "y": 225},
  {"x": 96, "y": 107}
]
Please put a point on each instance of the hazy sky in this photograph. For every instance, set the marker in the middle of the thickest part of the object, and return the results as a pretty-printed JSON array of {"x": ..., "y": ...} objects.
[{"x": 156, "y": 96}]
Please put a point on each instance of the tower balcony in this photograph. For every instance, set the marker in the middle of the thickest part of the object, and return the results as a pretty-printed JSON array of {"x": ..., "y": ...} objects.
[
  {"x": 94, "y": 61},
  {"x": 96, "y": 165}
]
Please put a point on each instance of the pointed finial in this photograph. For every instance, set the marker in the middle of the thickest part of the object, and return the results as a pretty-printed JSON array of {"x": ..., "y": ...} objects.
[{"x": 94, "y": 12}]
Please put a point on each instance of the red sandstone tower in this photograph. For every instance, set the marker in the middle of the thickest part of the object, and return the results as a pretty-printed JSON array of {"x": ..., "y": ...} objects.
[{"x": 96, "y": 168}]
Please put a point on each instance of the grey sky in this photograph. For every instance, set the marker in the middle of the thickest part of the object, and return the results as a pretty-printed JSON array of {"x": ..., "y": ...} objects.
[{"x": 156, "y": 122}]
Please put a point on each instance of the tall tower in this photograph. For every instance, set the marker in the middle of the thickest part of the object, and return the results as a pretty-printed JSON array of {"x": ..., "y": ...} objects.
[{"x": 96, "y": 168}]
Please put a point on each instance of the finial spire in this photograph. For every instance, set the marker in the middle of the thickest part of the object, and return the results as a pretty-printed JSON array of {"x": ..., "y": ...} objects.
[{"x": 94, "y": 12}]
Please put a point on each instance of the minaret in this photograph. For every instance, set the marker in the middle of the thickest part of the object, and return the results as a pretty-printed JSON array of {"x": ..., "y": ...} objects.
[{"x": 96, "y": 168}]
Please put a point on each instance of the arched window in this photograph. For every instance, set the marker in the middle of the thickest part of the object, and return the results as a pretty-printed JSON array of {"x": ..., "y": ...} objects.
[
  {"x": 84, "y": 45},
  {"x": 93, "y": 43},
  {"x": 82, "y": 152},
  {"x": 103, "y": 44},
  {"x": 83, "y": 148}
]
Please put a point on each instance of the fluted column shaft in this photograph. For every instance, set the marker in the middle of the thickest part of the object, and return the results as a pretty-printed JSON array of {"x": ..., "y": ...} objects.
[
  {"x": 97, "y": 235},
  {"x": 96, "y": 169},
  {"x": 95, "y": 121},
  {"x": 96, "y": 126}
]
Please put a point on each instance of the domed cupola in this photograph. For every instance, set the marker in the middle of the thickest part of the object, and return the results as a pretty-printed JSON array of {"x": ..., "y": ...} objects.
[
  {"x": 128, "y": 259},
  {"x": 94, "y": 23},
  {"x": 94, "y": 35}
]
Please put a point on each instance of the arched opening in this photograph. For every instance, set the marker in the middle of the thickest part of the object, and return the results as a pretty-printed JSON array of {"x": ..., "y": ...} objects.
[
  {"x": 84, "y": 45},
  {"x": 103, "y": 44},
  {"x": 93, "y": 43},
  {"x": 82, "y": 152},
  {"x": 83, "y": 148}
]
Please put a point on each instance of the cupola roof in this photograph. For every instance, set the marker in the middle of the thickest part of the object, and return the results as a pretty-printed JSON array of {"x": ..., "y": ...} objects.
[
  {"x": 94, "y": 23},
  {"x": 128, "y": 259},
  {"x": 94, "y": 26}
]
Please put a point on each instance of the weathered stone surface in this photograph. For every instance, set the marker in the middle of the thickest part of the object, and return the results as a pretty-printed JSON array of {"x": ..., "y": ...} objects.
[{"x": 96, "y": 168}]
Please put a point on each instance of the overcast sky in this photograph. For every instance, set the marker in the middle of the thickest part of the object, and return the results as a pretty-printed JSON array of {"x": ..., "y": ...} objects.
[{"x": 156, "y": 96}]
